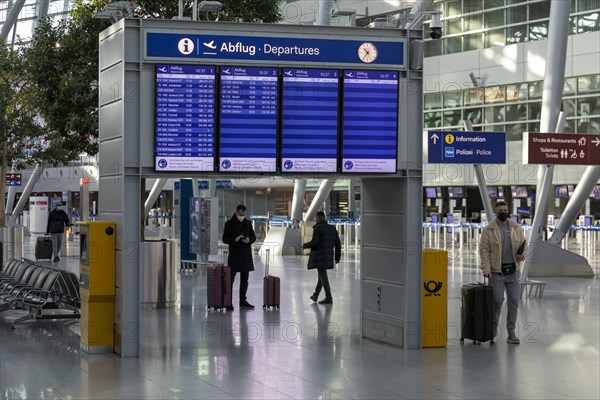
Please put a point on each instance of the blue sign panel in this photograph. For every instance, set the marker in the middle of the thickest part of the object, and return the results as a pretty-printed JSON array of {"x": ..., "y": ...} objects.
[
  {"x": 212, "y": 47},
  {"x": 466, "y": 147},
  {"x": 309, "y": 132},
  {"x": 248, "y": 124},
  {"x": 370, "y": 127},
  {"x": 185, "y": 118}
]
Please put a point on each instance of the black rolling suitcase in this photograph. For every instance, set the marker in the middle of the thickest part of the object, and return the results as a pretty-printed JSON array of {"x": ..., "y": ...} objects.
[
  {"x": 477, "y": 313},
  {"x": 43, "y": 248}
]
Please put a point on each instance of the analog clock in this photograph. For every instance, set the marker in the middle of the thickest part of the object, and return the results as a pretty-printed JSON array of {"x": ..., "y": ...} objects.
[{"x": 367, "y": 52}]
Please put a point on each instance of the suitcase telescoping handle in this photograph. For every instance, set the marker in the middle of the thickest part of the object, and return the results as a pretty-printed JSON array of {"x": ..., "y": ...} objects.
[
  {"x": 224, "y": 260},
  {"x": 267, "y": 264}
]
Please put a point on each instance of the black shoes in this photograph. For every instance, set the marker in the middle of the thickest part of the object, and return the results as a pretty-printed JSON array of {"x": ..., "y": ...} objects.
[
  {"x": 56, "y": 259},
  {"x": 314, "y": 298},
  {"x": 247, "y": 305},
  {"x": 326, "y": 301}
]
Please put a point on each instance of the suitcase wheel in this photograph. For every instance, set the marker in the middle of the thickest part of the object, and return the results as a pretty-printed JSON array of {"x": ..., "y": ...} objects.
[
  {"x": 462, "y": 340},
  {"x": 492, "y": 341}
]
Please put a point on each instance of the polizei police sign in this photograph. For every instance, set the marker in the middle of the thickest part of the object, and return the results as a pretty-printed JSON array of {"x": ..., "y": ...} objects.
[
  {"x": 221, "y": 47},
  {"x": 465, "y": 147}
]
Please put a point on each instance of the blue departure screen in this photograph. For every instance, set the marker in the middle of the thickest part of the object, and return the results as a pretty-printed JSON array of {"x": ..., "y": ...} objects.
[
  {"x": 185, "y": 118},
  {"x": 309, "y": 132},
  {"x": 248, "y": 132},
  {"x": 370, "y": 127}
]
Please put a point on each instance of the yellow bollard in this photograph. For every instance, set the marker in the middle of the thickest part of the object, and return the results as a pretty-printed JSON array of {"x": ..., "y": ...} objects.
[{"x": 435, "y": 298}]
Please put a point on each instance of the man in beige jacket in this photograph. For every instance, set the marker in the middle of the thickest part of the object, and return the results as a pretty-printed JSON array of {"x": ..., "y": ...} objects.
[{"x": 500, "y": 262}]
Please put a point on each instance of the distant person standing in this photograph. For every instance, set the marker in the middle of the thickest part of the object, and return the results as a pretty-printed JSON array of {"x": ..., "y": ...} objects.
[
  {"x": 239, "y": 235},
  {"x": 501, "y": 249},
  {"x": 57, "y": 220},
  {"x": 325, "y": 246}
]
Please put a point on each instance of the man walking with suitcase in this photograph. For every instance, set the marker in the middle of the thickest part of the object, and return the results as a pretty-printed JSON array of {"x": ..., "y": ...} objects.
[
  {"x": 325, "y": 241},
  {"x": 501, "y": 249},
  {"x": 239, "y": 235},
  {"x": 57, "y": 220}
]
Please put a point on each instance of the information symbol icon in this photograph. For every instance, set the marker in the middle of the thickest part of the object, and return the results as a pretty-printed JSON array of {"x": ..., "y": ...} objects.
[
  {"x": 186, "y": 46},
  {"x": 449, "y": 138}
]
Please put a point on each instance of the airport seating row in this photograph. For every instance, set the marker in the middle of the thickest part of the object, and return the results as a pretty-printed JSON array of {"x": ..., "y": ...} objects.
[{"x": 25, "y": 285}]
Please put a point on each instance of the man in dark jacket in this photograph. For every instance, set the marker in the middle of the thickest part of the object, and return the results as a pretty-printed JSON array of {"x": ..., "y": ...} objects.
[
  {"x": 57, "y": 220},
  {"x": 239, "y": 235},
  {"x": 324, "y": 240}
]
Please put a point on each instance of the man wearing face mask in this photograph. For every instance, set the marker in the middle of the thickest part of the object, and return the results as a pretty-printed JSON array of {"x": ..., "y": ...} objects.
[
  {"x": 239, "y": 235},
  {"x": 502, "y": 249}
]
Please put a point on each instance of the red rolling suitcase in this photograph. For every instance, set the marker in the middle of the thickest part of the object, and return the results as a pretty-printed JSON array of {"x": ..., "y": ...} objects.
[
  {"x": 218, "y": 287},
  {"x": 477, "y": 313},
  {"x": 43, "y": 248},
  {"x": 271, "y": 288}
]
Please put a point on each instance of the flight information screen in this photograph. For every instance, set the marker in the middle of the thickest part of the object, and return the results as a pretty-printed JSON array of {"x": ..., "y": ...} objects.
[
  {"x": 309, "y": 131},
  {"x": 370, "y": 127},
  {"x": 248, "y": 120},
  {"x": 185, "y": 118}
]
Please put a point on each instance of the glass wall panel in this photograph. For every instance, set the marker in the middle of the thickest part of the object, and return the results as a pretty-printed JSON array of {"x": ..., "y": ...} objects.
[
  {"x": 433, "y": 48},
  {"x": 538, "y": 30},
  {"x": 493, "y": 19},
  {"x": 569, "y": 107},
  {"x": 433, "y": 101},
  {"x": 588, "y": 106},
  {"x": 535, "y": 90},
  {"x": 453, "y": 45},
  {"x": 452, "y": 26},
  {"x": 473, "y": 96},
  {"x": 473, "y": 22},
  {"x": 570, "y": 88},
  {"x": 470, "y": 6},
  {"x": 432, "y": 120},
  {"x": 587, "y": 5},
  {"x": 589, "y": 84},
  {"x": 515, "y": 131},
  {"x": 493, "y": 4},
  {"x": 495, "y": 38},
  {"x": 588, "y": 23},
  {"x": 539, "y": 10},
  {"x": 535, "y": 110},
  {"x": 452, "y": 99},
  {"x": 588, "y": 125},
  {"x": 533, "y": 127},
  {"x": 569, "y": 126},
  {"x": 494, "y": 94},
  {"x": 516, "y": 34},
  {"x": 473, "y": 42},
  {"x": 452, "y": 8},
  {"x": 494, "y": 114},
  {"x": 475, "y": 115},
  {"x": 452, "y": 118},
  {"x": 516, "y": 112},
  {"x": 516, "y": 15}
]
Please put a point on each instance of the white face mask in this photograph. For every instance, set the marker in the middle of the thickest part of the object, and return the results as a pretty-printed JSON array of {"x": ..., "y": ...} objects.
[{"x": 240, "y": 218}]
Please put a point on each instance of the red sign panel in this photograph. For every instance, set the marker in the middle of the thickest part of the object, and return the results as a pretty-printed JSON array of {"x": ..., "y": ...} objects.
[{"x": 561, "y": 148}]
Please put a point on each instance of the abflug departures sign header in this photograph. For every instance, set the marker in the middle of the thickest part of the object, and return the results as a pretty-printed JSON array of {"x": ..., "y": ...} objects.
[{"x": 258, "y": 48}]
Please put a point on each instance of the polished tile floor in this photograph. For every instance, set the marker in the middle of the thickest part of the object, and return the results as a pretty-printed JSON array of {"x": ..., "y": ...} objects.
[{"x": 309, "y": 351}]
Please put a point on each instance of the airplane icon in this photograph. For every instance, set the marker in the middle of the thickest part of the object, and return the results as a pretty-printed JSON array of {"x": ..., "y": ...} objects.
[
  {"x": 163, "y": 69},
  {"x": 350, "y": 75},
  {"x": 227, "y": 71},
  {"x": 210, "y": 44},
  {"x": 288, "y": 73}
]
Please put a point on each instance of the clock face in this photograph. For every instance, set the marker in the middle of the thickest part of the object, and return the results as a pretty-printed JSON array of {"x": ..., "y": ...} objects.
[{"x": 367, "y": 52}]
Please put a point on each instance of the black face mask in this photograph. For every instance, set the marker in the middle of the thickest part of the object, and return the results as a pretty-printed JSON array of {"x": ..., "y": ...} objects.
[{"x": 502, "y": 216}]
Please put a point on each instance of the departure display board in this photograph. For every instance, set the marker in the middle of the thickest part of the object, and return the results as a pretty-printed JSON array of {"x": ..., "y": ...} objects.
[
  {"x": 185, "y": 118},
  {"x": 309, "y": 131},
  {"x": 370, "y": 127},
  {"x": 248, "y": 120}
]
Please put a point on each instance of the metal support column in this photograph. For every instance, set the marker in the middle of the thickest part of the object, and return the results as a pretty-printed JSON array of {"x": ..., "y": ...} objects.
[
  {"x": 577, "y": 200},
  {"x": 551, "y": 104},
  {"x": 485, "y": 198},
  {"x": 158, "y": 186},
  {"x": 324, "y": 17},
  {"x": 298, "y": 202},
  {"x": 320, "y": 197},
  {"x": 33, "y": 179},
  {"x": 11, "y": 19}
]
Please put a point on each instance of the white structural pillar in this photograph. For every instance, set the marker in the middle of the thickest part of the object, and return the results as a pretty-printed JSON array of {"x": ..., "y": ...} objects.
[
  {"x": 298, "y": 202},
  {"x": 577, "y": 200},
  {"x": 320, "y": 197},
  {"x": 324, "y": 17},
  {"x": 157, "y": 188},
  {"x": 35, "y": 177},
  {"x": 485, "y": 198},
  {"x": 11, "y": 19},
  {"x": 551, "y": 104}
]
